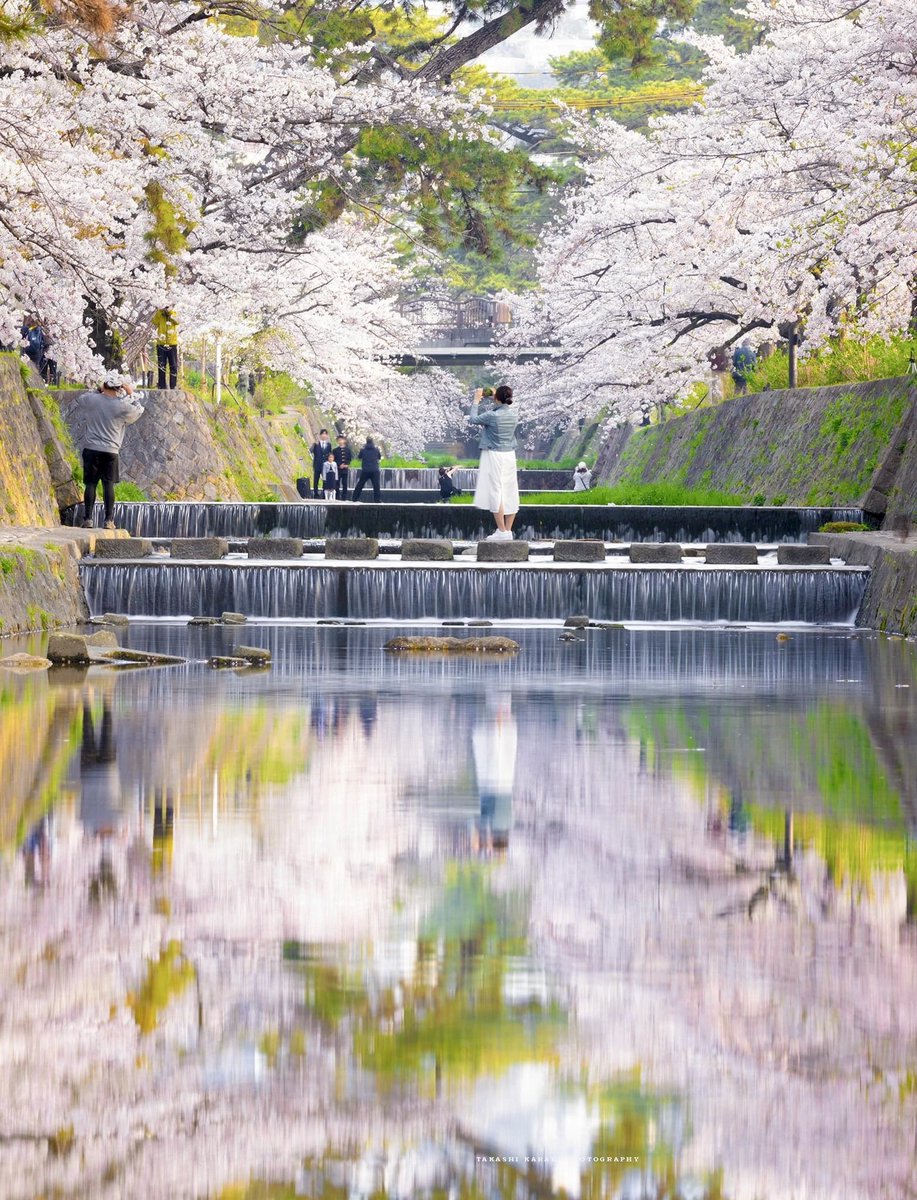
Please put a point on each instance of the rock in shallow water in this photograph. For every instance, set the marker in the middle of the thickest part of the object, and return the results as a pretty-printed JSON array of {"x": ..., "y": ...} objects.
[
  {"x": 25, "y": 662},
  {"x": 68, "y": 648},
  {"x": 452, "y": 645}
]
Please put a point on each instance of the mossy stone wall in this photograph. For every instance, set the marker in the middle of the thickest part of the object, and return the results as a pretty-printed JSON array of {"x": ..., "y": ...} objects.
[
  {"x": 812, "y": 446},
  {"x": 39, "y": 588},
  {"x": 184, "y": 448},
  {"x": 26, "y": 489}
]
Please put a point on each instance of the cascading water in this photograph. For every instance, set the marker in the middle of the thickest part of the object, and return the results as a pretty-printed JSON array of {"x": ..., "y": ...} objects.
[
  {"x": 815, "y": 596},
  {"x": 621, "y": 523}
]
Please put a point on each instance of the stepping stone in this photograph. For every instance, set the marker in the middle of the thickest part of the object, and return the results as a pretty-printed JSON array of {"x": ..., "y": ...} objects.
[
  {"x": 111, "y": 619},
  {"x": 252, "y": 654},
  {"x": 68, "y": 648},
  {"x": 430, "y": 549},
  {"x": 233, "y": 618},
  {"x": 206, "y": 547},
  {"x": 285, "y": 547},
  {"x": 577, "y": 622},
  {"x": 506, "y": 552},
  {"x": 20, "y": 663},
  {"x": 103, "y": 640},
  {"x": 142, "y": 657},
  {"x": 583, "y": 550},
  {"x": 123, "y": 548},
  {"x": 426, "y": 644},
  {"x": 338, "y": 548},
  {"x": 656, "y": 552},
  {"x": 794, "y": 555},
  {"x": 731, "y": 554}
]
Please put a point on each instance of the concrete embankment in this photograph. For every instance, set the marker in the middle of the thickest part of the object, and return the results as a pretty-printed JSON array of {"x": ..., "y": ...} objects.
[
  {"x": 850, "y": 444},
  {"x": 40, "y": 585},
  {"x": 890, "y": 602}
]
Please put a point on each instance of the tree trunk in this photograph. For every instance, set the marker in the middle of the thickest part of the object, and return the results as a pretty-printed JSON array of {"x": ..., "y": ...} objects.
[{"x": 442, "y": 65}]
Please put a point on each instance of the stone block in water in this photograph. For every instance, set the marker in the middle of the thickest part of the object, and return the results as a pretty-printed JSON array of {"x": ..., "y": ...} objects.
[
  {"x": 795, "y": 555},
  {"x": 21, "y": 663},
  {"x": 656, "y": 552},
  {"x": 142, "y": 658},
  {"x": 578, "y": 621},
  {"x": 428, "y": 549},
  {"x": 282, "y": 547},
  {"x": 731, "y": 554},
  {"x": 103, "y": 640},
  {"x": 205, "y": 547},
  {"x": 68, "y": 648},
  {"x": 233, "y": 618},
  {"x": 255, "y": 654},
  {"x": 358, "y": 547},
  {"x": 111, "y": 619},
  {"x": 427, "y": 644},
  {"x": 503, "y": 552},
  {"x": 582, "y": 550},
  {"x": 123, "y": 548}
]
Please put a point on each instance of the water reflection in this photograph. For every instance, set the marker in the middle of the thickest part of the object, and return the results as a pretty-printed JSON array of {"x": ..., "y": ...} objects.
[{"x": 363, "y": 926}]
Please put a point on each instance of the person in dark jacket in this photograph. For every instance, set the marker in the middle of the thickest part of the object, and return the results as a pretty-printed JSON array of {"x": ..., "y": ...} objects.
[
  {"x": 343, "y": 456},
  {"x": 320, "y": 451},
  {"x": 370, "y": 457},
  {"x": 447, "y": 488}
]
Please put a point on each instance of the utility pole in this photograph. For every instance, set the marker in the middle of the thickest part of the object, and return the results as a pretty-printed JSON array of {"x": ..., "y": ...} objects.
[{"x": 218, "y": 369}]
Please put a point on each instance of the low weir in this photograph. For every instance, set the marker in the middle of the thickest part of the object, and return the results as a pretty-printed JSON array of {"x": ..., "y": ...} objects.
[
  {"x": 296, "y": 591},
  {"x": 610, "y": 523}
]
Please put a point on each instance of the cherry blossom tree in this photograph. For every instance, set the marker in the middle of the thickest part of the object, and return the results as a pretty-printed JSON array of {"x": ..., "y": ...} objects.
[
  {"x": 165, "y": 162},
  {"x": 785, "y": 199}
]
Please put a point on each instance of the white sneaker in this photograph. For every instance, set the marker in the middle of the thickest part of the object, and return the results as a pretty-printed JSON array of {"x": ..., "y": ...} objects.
[
  {"x": 507, "y": 535},
  {"x": 498, "y": 535}
]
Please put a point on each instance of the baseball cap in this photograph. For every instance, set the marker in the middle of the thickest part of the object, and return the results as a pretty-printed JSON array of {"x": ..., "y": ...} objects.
[{"x": 112, "y": 379}]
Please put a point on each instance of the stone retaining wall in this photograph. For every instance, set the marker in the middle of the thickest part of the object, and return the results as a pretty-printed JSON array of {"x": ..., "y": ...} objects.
[
  {"x": 890, "y": 603},
  {"x": 184, "y": 448},
  {"x": 40, "y": 588},
  {"x": 815, "y": 446},
  {"x": 26, "y": 489}
]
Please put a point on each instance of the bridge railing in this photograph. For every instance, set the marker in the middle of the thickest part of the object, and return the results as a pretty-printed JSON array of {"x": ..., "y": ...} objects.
[{"x": 471, "y": 320}]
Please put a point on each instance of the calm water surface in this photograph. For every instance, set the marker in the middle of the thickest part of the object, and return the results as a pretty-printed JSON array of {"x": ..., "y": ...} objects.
[{"x": 633, "y": 916}]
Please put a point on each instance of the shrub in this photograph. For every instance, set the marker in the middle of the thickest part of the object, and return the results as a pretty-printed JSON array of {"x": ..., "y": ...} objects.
[
  {"x": 843, "y": 527},
  {"x": 779, "y": 501},
  {"x": 758, "y": 499}
]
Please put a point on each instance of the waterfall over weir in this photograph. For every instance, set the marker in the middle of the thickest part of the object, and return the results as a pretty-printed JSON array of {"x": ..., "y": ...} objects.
[
  {"x": 611, "y": 523},
  {"x": 814, "y": 596}
]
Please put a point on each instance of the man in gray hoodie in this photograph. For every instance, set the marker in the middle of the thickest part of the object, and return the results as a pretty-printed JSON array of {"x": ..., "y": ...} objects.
[{"x": 107, "y": 414}]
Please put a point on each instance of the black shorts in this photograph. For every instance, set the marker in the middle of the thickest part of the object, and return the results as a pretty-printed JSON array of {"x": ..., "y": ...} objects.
[{"x": 100, "y": 466}]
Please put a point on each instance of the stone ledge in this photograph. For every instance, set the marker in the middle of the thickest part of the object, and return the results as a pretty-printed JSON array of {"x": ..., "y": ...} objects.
[
  {"x": 283, "y": 547},
  {"x": 582, "y": 550},
  {"x": 655, "y": 552},
  {"x": 205, "y": 547},
  {"x": 129, "y": 547},
  {"x": 340, "y": 548},
  {"x": 503, "y": 552},
  {"x": 813, "y": 555},
  {"x": 731, "y": 554},
  {"x": 426, "y": 549}
]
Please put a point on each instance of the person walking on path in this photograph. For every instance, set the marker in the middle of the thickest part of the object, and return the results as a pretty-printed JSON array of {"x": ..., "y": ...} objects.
[
  {"x": 744, "y": 360},
  {"x": 370, "y": 457},
  {"x": 165, "y": 323},
  {"x": 498, "y": 486},
  {"x": 107, "y": 413},
  {"x": 320, "y": 451},
  {"x": 343, "y": 456}
]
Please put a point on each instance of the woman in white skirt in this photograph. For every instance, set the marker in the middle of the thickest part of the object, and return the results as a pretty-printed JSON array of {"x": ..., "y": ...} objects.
[{"x": 498, "y": 488}]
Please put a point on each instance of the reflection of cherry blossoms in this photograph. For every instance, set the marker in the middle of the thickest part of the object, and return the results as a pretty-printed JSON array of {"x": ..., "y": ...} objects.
[{"x": 321, "y": 971}]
